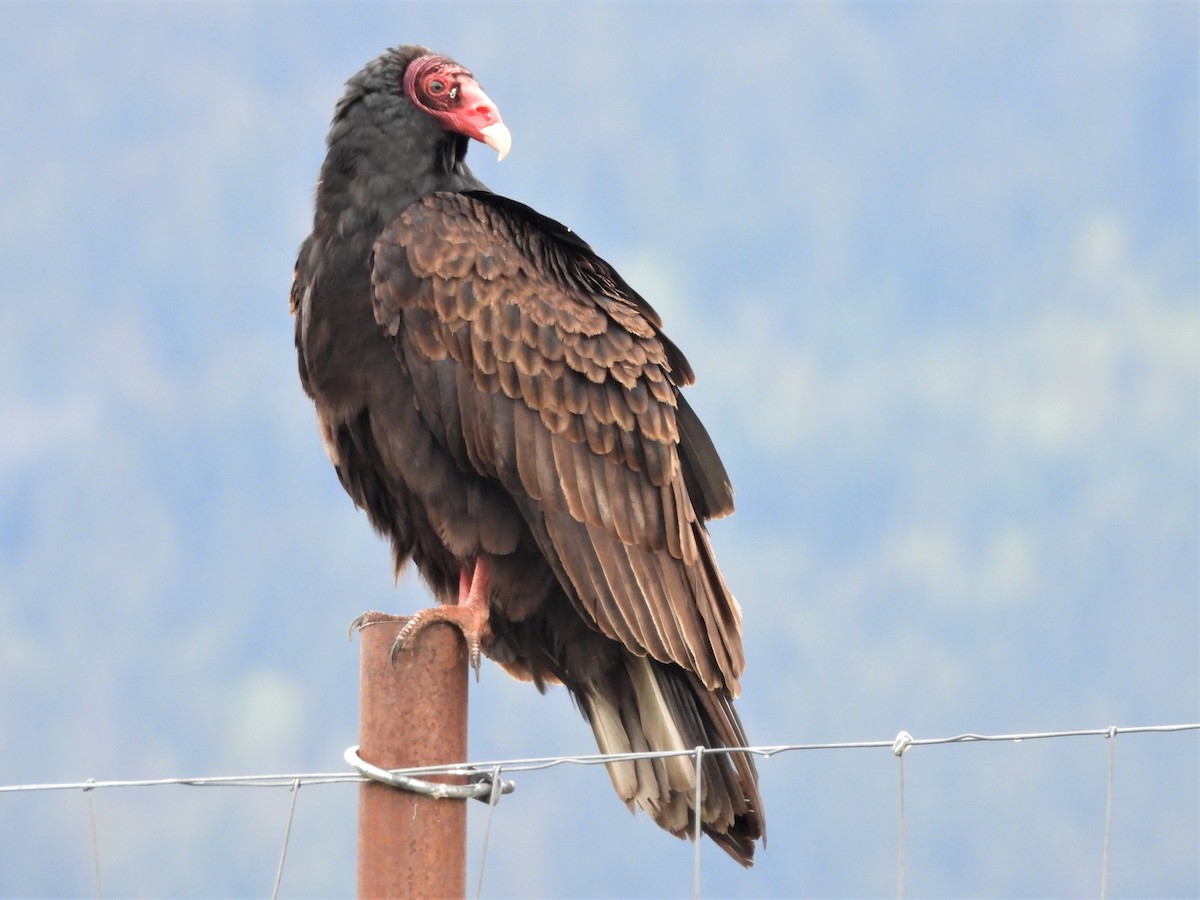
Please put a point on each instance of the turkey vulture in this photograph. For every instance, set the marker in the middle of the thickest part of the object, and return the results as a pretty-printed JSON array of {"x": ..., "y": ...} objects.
[{"x": 507, "y": 411}]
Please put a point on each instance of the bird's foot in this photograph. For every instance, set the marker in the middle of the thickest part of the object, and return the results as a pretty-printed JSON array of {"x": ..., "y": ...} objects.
[{"x": 470, "y": 619}]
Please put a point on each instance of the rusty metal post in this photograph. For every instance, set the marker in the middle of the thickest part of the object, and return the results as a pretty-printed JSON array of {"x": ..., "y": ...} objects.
[{"x": 411, "y": 714}]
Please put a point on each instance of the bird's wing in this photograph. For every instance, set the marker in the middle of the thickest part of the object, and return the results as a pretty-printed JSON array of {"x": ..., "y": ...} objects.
[{"x": 537, "y": 366}]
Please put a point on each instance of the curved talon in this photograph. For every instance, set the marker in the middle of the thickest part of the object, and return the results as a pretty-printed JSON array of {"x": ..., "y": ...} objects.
[
  {"x": 413, "y": 625},
  {"x": 474, "y": 655},
  {"x": 397, "y": 648},
  {"x": 363, "y": 619}
]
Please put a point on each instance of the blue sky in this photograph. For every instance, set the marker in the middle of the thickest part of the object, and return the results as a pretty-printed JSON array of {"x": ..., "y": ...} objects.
[{"x": 936, "y": 266}]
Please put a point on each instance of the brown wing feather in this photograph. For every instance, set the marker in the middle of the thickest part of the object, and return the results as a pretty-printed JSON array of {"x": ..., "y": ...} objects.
[{"x": 566, "y": 390}]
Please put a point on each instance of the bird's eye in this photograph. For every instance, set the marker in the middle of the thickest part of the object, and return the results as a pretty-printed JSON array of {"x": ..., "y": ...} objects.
[{"x": 437, "y": 86}]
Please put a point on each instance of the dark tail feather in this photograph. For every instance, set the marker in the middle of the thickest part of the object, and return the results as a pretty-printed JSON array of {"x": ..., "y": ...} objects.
[{"x": 655, "y": 707}]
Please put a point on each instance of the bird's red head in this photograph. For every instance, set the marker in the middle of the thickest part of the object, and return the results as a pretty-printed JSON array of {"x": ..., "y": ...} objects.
[{"x": 449, "y": 93}]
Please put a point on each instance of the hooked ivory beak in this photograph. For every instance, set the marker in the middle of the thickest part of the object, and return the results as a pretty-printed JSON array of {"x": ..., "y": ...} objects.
[{"x": 497, "y": 137}]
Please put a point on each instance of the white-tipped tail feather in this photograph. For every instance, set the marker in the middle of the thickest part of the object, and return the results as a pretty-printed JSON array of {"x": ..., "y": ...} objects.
[{"x": 663, "y": 708}]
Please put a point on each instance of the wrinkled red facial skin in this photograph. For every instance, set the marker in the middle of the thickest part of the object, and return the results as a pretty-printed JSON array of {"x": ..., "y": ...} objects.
[{"x": 449, "y": 93}]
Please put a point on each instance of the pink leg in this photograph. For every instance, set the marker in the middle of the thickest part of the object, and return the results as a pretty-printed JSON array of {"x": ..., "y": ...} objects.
[{"x": 470, "y": 615}]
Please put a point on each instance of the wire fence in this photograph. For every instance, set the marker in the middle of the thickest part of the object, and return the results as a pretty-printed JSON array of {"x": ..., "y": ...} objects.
[{"x": 494, "y": 770}]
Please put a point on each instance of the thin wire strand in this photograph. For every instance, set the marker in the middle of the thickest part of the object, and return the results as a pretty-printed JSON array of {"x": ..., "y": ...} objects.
[
  {"x": 287, "y": 836},
  {"x": 284, "y": 780},
  {"x": 698, "y": 821},
  {"x": 902, "y": 742},
  {"x": 1108, "y": 806},
  {"x": 899, "y": 745},
  {"x": 493, "y": 799},
  {"x": 900, "y": 841},
  {"x": 91, "y": 795}
]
